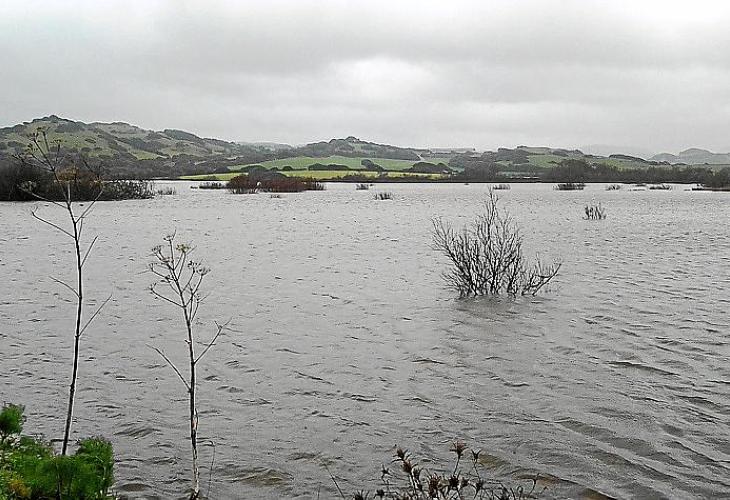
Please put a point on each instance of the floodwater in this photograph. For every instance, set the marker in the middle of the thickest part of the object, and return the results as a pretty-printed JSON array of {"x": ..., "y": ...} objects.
[{"x": 343, "y": 341}]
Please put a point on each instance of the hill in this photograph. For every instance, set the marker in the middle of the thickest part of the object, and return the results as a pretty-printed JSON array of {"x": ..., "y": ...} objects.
[
  {"x": 694, "y": 156},
  {"x": 129, "y": 151},
  {"x": 116, "y": 139}
]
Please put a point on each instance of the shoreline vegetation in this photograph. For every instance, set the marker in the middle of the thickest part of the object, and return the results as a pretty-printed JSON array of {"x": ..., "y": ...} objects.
[
  {"x": 128, "y": 153},
  {"x": 565, "y": 176}
]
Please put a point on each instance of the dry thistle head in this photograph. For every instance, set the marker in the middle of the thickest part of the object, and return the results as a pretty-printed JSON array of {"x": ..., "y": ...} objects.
[
  {"x": 454, "y": 482},
  {"x": 434, "y": 482},
  {"x": 407, "y": 466},
  {"x": 478, "y": 485},
  {"x": 458, "y": 447},
  {"x": 384, "y": 471}
]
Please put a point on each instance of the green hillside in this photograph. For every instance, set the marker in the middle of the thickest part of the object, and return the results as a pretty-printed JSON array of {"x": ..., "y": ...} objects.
[
  {"x": 129, "y": 151},
  {"x": 355, "y": 163},
  {"x": 115, "y": 139}
]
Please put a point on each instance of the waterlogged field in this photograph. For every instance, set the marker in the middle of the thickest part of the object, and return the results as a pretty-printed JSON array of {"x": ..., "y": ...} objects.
[
  {"x": 319, "y": 175},
  {"x": 343, "y": 341}
]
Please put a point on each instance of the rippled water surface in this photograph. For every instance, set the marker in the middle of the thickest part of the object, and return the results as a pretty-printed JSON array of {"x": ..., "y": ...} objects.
[{"x": 343, "y": 341}]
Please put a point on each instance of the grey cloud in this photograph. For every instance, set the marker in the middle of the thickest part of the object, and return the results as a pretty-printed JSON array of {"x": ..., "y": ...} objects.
[{"x": 648, "y": 74}]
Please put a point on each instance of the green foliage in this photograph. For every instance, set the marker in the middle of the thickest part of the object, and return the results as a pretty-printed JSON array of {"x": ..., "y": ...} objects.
[
  {"x": 29, "y": 468},
  {"x": 11, "y": 421}
]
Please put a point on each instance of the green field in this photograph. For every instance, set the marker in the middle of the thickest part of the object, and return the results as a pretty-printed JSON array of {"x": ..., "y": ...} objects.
[
  {"x": 302, "y": 162},
  {"x": 550, "y": 160},
  {"x": 315, "y": 174}
]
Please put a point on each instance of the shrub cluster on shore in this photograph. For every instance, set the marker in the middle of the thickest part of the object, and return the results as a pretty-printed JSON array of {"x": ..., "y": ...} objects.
[
  {"x": 30, "y": 468},
  {"x": 24, "y": 180}
]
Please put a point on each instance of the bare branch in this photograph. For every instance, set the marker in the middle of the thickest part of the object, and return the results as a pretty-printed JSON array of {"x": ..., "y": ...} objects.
[
  {"x": 53, "y": 225},
  {"x": 96, "y": 313},
  {"x": 66, "y": 285},
  {"x": 219, "y": 329},
  {"x": 172, "y": 365},
  {"x": 88, "y": 250}
]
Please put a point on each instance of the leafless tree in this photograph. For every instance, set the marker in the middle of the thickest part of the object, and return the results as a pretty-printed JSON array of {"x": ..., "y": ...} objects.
[
  {"x": 179, "y": 281},
  {"x": 48, "y": 156},
  {"x": 487, "y": 256}
]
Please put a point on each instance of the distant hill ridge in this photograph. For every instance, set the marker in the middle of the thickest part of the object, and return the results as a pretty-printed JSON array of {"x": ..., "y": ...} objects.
[
  {"x": 694, "y": 156},
  {"x": 130, "y": 151},
  {"x": 115, "y": 139}
]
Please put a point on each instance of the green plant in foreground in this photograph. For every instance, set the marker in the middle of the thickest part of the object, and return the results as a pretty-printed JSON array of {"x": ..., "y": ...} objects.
[
  {"x": 29, "y": 468},
  {"x": 11, "y": 422}
]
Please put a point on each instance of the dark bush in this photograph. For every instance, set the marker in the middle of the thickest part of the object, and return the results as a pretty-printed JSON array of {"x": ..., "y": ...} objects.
[
  {"x": 370, "y": 165},
  {"x": 423, "y": 167},
  {"x": 331, "y": 166},
  {"x": 25, "y": 181},
  {"x": 570, "y": 186},
  {"x": 243, "y": 184}
]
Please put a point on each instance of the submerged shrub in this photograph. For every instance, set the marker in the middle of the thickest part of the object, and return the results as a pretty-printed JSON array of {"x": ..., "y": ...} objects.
[
  {"x": 166, "y": 191},
  {"x": 595, "y": 212},
  {"x": 244, "y": 184},
  {"x": 570, "y": 186},
  {"x": 487, "y": 257},
  {"x": 212, "y": 185}
]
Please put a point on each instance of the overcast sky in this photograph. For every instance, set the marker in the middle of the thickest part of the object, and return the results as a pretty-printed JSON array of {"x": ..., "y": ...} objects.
[{"x": 646, "y": 75}]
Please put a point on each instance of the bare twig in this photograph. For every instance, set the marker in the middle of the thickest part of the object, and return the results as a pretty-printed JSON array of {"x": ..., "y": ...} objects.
[{"x": 172, "y": 365}]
